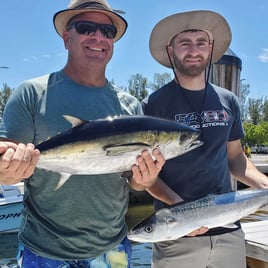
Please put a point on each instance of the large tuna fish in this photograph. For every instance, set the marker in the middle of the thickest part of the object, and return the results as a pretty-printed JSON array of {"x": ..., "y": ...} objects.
[
  {"x": 112, "y": 145},
  {"x": 212, "y": 211}
]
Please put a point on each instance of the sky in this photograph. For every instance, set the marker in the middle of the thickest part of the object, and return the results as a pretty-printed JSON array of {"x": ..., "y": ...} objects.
[{"x": 30, "y": 47}]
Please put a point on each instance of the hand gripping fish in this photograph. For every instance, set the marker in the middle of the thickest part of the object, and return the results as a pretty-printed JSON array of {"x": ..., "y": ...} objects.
[
  {"x": 221, "y": 210},
  {"x": 112, "y": 145}
]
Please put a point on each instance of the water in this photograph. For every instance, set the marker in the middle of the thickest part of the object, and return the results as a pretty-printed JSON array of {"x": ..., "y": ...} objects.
[{"x": 141, "y": 255}]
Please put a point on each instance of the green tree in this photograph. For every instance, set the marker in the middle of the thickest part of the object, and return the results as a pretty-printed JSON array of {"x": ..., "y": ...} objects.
[
  {"x": 255, "y": 107},
  {"x": 265, "y": 130},
  {"x": 260, "y": 133},
  {"x": 249, "y": 129},
  {"x": 244, "y": 93},
  {"x": 256, "y": 134},
  {"x": 137, "y": 85},
  {"x": 160, "y": 80},
  {"x": 265, "y": 110},
  {"x": 5, "y": 93}
]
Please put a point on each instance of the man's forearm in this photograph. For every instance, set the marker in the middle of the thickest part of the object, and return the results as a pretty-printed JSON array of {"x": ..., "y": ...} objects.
[{"x": 164, "y": 193}]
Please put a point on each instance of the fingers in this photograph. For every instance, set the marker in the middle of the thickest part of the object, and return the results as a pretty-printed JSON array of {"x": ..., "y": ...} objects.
[
  {"x": 145, "y": 163},
  {"x": 159, "y": 158},
  {"x": 198, "y": 231},
  {"x": 32, "y": 159},
  {"x": 17, "y": 162},
  {"x": 7, "y": 155},
  {"x": 147, "y": 168},
  {"x": 5, "y": 145},
  {"x": 25, "y": 159},
  {"x": 143, "y": 167}
]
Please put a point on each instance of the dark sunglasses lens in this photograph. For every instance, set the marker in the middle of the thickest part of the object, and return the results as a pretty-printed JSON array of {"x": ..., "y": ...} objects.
[
  {"x": 85, "y": 27},
  {"x": 88, "y": 27},
  {"x": 108, "y": 31}
]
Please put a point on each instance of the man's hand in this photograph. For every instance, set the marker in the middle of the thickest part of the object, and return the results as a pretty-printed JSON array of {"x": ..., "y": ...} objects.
[
  {"x": 199, "y": 231},
  {"x": 17, "y": 161},
  {"x": 146, "y": 170}
]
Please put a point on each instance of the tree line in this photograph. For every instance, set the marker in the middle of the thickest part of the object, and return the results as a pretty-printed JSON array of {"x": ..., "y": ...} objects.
[
  {"x": 5, "y": 93},
  {"x": 254, "y": 111}
]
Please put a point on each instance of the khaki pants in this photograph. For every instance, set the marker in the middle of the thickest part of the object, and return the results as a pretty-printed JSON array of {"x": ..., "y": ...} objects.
[{"x": 219, "y": 251}]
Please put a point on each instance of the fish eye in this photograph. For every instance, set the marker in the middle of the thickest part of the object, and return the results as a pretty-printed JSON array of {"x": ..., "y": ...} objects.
[
  {"x": 148, "y": 229},
  {"x": 184, "y": 136}
]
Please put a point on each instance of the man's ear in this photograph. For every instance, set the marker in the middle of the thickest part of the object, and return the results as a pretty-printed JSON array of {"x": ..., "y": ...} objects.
[
  {"x": 170, "y": 52},
  {"x": 66, "y": 39}
]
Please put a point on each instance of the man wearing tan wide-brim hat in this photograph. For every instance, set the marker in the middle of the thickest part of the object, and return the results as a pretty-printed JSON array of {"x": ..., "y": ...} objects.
[
  {"x": 189, "y": 43},
  {"x": 77, "y": 7},
  {"x": 73, "y": 219},
  {"x": 212, "y": 23}
]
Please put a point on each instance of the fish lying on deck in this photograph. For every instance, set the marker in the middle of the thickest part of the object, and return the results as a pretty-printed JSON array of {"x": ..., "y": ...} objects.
[
  {"x": 112, "y": 145},
  {"x": 212, "y": 211}
]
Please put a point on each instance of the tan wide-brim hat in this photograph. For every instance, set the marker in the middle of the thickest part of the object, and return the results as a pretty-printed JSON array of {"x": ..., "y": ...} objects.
[
  {"x": 211, "y": 22},
  {"x": 77, "y": 7}
]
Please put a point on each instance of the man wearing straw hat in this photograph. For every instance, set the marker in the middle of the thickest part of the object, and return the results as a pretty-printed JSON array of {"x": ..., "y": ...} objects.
[
  {"x": 82, "y": 224},
  {"x": 189, "y": 43}
]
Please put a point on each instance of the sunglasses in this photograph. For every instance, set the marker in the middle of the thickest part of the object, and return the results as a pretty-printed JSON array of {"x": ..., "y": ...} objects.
[{"x": 88, "y": 27}]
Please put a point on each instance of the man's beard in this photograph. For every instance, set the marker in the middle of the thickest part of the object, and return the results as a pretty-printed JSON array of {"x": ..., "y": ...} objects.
[{"x": 193, "y": 70}]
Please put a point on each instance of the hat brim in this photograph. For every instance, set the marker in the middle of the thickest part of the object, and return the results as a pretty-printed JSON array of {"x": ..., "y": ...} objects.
[
  {"x": 208, "y": 21},
  {"x": 62, "y": 17}
]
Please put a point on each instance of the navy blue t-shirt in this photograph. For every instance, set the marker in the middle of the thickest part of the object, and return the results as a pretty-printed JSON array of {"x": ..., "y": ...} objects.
[{"x": 215, "y": 111}]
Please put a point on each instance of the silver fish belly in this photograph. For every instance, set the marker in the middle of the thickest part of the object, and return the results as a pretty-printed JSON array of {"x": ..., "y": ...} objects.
[{"x": 212, "y": 211}]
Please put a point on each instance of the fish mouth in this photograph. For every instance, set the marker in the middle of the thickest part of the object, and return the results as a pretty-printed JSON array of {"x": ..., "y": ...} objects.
[
  {"x": 191, "y": 140},
  {"x": 193, "y": 145}
]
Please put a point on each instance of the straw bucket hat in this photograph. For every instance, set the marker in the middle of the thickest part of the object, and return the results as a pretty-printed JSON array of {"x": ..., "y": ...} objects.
[
  {"x": 211, "y": 22},
  {"x": 77, "y": 7}
]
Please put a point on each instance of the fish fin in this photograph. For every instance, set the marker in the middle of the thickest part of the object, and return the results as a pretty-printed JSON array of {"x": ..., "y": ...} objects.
[
  {"x": 74, "y": 120},
  {"x": 162, "y": 211},
  {"x": 118, "y": 149},
  {"x": 167, "y": 215},
  {"x": 63, "y": 178},
  {"x": 171, "y": 220}
]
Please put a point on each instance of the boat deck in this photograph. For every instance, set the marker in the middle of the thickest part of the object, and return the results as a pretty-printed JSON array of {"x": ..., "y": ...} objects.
[{"x": 256, "y": 234}]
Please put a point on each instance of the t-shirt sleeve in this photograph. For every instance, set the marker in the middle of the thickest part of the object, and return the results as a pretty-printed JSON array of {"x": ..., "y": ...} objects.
[
  {"x": 17, "y": 121},
  {"x": 237, "y": 131}
]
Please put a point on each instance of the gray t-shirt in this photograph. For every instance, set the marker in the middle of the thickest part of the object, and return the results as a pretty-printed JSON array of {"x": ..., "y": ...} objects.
[{"x": 86, "y": 216}]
